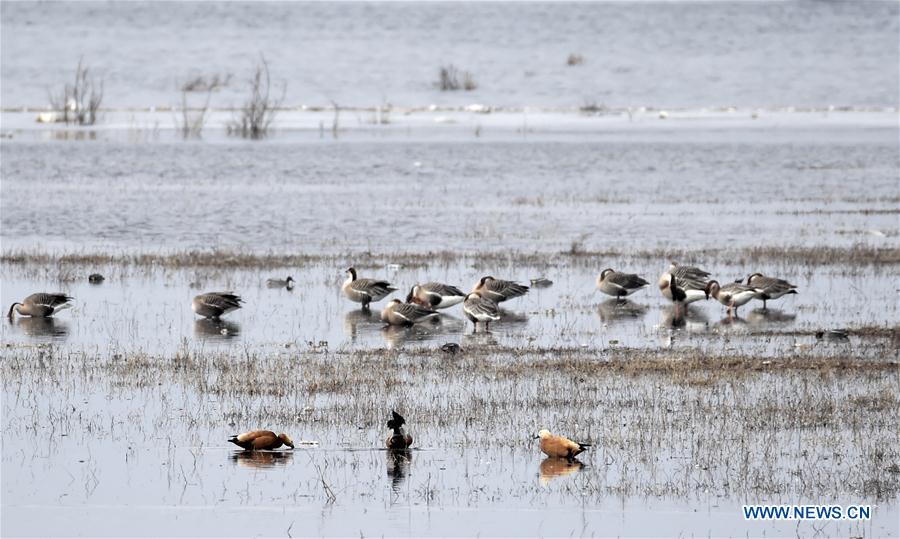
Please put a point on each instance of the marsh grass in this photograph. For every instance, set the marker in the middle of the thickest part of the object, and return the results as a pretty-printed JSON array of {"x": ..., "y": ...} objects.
[
  {"x": 663, "y": 423},
  {"x": 576, "y": 255}
]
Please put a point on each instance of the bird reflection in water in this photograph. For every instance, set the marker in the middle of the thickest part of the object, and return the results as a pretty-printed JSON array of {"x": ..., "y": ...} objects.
[
  {"x": 261, "y": 459},
  {"x": 210, "y": 328},
  {"x": 398, "y": 461},
  {"x": 694, "y": 319},
  {"x": 769, "y": 317},
  {"x": 397, "y": 336},
  {"x": 49, "y": 329},
  {"x": 553, "y": 467},
  {"x": 613, "y": 310},
  {"x": 358, "y": 320}
]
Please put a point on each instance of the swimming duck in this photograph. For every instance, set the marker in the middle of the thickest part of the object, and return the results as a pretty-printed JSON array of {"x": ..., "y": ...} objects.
[
  {"x": 40, "y": 305},
  {"x": 215, "y": 304},
  {"x": 399, "y": 439},
  {"x": 435, "y": 295},
  {"x": 281, "y": 283},
  {"x": 770, "y": 287},
  {"x": 618, "y": 284},
  {"x": 498, "y": 289},
  {"x": 397, "y": 313},
  {"x": 560, "y": 446},
  {"x": 481, "y": 309},
  {"x": 257, "y": 440},
  {"x": 96, "y": 278},
  {"x": 732, "y": 295},
  {"x": 365, "y": 291}
]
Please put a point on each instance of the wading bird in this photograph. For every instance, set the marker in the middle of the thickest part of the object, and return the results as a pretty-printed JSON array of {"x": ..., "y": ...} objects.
[
  {"x": 770, "y": 287},
  {"x": 480, "y": 309},
  {"x": 397, "y": 313},
  {"x": 732, "y": 295},
  {"x": 498, "y": 289},
  {"x": 261, "y": 439},
  {"x": 618, "y": 284},
  {"x": 365, "y": 291},
  {"x": 560, "y": 446},
  {"x": 690, "y": 279},
  {"x": 215, "y": 304},
  {"x": 435, "y": 295},
  {"x": 40, "y": 305},
  {"x": 398, "y": 439}
]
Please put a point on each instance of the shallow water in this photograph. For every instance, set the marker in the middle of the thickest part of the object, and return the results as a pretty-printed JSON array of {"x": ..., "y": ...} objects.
[
  {"x": 652, "y": 189},
  {"x": 149, "y": 311},
  {"x": 663, "y": 54}
]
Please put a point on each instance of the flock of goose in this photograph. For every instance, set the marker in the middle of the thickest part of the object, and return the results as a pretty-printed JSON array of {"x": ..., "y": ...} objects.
[{"x": 680, "y": 284}]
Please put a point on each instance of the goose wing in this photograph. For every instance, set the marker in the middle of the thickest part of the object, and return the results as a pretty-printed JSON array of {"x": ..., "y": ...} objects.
[
  {"x": 627, "y": 281},
  {"x": 771, "y": 285},
  {"x": 441, "y": 289},
  {"x": 45, "y": 299},
  {"x": 505, "y": 289},
  {"x": 220, "y": 300},
  {"x": 373, "y": 287},
  {"x": 412, "y": 311},
  {"x": 690, "y": 278},
  {"x": 481, "y": 306}
]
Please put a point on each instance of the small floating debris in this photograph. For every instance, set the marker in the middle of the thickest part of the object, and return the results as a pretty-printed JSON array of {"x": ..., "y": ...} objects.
[
  {"x": 96, "y": 278},
  {"x": 478, "y": 108},
  {"x": 308, "y": 443},
  {"x": 450, "y": 348},
  {"x": 836, "y": 335},
  {"x": 394, "y": 267},
  {"x": 541, "y": 282},
  {"x": 875, "y": 232}
]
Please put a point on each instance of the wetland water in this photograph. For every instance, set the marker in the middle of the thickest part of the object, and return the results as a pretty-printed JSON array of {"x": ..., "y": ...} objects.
[
  {"x": 121, "y": 406},
  {"x": 115, "y": 414}
]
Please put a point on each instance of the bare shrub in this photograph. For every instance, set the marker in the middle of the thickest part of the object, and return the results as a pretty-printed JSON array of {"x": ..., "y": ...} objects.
[
  {"x": 194, "y": 118},
  {"x": 78, "y": 102},
  {"x": 452, "y": 79},
  {"x": 575, "y": 60},
  {"x": 260, "y": 108}
]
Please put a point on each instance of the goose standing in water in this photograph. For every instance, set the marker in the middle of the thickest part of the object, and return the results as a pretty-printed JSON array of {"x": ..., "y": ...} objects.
[
  {"x": 281, "y": 283},
  {"x": 671, "y": 288},
  {"x": 499, "y": 290},
  {"x": 258, "y": 440},
  {"x": 560, "y": 446},
  {"x": 435, "y": 295},
  {"x": 770, "y": 287},
  {"x": 618, "y": 284},
  {"x": 398, "y": 439},
  {"x": 365, "y": 291},
  {"x": 40, "y": 305},
  {"x": 481, "y": 309},
  {"x": 215, "y": 304},
  {"x": 690, "y": 279},
  {"x": 732, "y": 295},
  {"x": 397, "y": 313}
]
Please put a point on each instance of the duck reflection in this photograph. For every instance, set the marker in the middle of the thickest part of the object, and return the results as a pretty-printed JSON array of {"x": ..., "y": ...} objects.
[
  {"x": 261, "y": 459},
  {"x": 769, "y": 317},
  {"x": 208, "y": 328},
  {"x": 553, "y": 467},
  {"x": 613, "y": 310},
  {"x": 360, "y": 320},
  {"x": 42, "y": 328},
  {"x": 731, "y": 324},
  {"x": 398, "y": 461}
]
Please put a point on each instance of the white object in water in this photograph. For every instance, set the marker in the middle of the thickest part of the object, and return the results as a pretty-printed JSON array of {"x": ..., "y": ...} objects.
[
  {"x": 479, "y": 108},
  {"x": 46, "y": 117},
  {"x": 663, "y": 115},
  {"x": 444, "y": 120}
]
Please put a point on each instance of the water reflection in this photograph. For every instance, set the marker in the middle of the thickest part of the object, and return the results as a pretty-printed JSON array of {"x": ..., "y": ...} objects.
[
  {"x": 360, "y": 320},
  {"x": 552, "y": 467},
  {"x": 766, "y": 317},
  {"x": 261, "y": 459},
  {"x": 207, "y": 328},
  {"x": 731, "y": 324},
  {"x": 510, "y": 320},
  {"x": 693, "y": 319},
  {"x": 398, "y": 461},
  {"x": 42, "y": 328},
  {"x": 397, "y": 336},
  {"x": 613, "y": 310}
]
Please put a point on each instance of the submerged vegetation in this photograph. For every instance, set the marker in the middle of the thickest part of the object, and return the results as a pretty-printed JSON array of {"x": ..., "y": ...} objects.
[{"x": 451, "y": 79}]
